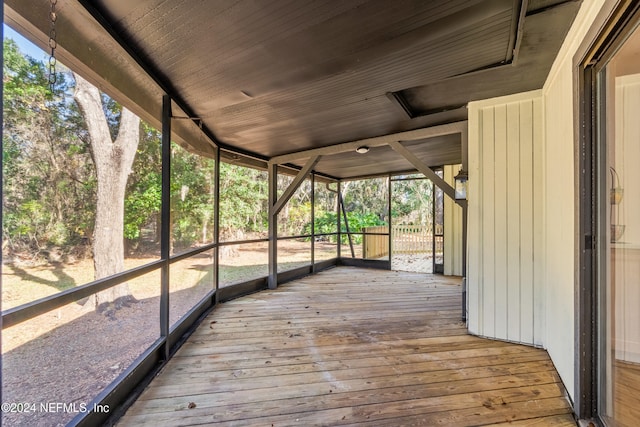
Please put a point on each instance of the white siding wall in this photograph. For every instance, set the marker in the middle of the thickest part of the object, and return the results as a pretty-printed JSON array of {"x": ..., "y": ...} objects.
[
  {"x": 452, "y": 228},
  {"x": 505, "y": 230},
  {"x": 560, "y": 226},
  {"x": 522, "y": 211}
]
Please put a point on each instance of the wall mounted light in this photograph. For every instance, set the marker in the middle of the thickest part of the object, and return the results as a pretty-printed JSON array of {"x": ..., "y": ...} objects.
[
  {"x": 462, "y": 179},
  {"x": 362, "y": 150}
]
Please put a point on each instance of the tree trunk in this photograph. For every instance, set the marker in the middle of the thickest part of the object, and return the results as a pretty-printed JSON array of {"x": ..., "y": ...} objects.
[{"x": 113, "y": 161}]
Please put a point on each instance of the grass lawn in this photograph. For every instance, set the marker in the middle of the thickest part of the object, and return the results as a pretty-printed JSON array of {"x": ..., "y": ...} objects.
[{"x": 21, "y": 285}]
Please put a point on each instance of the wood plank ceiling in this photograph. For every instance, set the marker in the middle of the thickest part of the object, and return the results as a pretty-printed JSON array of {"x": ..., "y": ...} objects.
[{"x": 270, "y": 77}]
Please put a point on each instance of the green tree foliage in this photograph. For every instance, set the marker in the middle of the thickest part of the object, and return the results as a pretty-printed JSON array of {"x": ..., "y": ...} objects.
[
  {"x": 359, "y": 221},
  {"x": 192, "y": 197},
  {"x": 49, "y": 178},
  {"x": 326, "y": 223},
  {"x": 296, "y": 214},
  {"x": 366, "y": 203},
  {"x": 243, "y": 201},
  {"x": 411, "y": 202},
  {"x": 50, "y": 181},
  {"x": 368, "y": 196},
  {"x": 144, "y": 194}
]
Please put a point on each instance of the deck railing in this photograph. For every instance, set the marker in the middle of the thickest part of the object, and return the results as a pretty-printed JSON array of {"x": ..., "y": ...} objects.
[{"x": 411, "y": 239}]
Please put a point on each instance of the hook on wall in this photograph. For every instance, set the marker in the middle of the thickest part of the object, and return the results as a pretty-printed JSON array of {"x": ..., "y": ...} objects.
[{"x": 615, "y": 198}]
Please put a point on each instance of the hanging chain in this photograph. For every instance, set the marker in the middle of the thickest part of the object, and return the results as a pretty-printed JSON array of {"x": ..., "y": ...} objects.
[{"x": 53, "y": 44}]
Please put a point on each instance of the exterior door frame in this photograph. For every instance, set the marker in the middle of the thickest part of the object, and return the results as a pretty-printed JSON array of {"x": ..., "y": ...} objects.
[{"x": 611, "y": 28}]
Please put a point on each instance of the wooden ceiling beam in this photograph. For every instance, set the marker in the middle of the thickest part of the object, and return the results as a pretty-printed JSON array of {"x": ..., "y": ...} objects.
[{"x": 378, "y": 141}]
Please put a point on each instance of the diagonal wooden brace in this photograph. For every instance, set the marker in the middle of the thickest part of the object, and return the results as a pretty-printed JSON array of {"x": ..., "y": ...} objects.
[
  {"x": 424, "y": 169},
  {"x": 297, "y": 181}
]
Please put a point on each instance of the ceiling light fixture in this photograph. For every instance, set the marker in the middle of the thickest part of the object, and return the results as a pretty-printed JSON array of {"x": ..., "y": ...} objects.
[{"x": 362, "y": 150}]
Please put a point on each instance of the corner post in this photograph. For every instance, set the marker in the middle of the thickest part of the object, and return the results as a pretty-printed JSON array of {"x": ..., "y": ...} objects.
[
  {"x": 464, "y": 136},
  {"x": 338, "y": 213},
  {"x": 389, "y": 210},
  {"x": 273, "y": 227},
  {"x": 313, "y": 223},
  {"x": 165, "y": 226},
  {"x": 216, "y": 226}
]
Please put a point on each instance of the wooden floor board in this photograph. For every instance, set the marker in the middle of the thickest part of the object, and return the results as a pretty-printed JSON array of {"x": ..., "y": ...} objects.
[{"x": 351, "y": 347}]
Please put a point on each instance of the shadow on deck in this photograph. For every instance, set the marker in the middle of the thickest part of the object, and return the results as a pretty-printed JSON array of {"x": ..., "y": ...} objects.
[{"x": 351, "y": 347}]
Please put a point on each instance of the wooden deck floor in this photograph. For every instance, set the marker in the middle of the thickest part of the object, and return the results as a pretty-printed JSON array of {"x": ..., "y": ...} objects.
[{"x": 351, "y": 347}]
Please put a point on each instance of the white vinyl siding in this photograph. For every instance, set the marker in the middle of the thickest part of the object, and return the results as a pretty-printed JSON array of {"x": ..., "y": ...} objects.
[
  {"x": 522, "y": 248},
  {"x": 505, "y": 170},
  {"x": 452, "y": 228}
]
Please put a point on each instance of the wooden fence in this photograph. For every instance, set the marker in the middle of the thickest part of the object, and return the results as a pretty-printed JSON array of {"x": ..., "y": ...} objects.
[
  {"x": 375, "y": 246},
  {"x": 407, "y": 239}
]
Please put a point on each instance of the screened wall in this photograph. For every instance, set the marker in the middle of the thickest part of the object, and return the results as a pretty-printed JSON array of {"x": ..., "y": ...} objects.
[
  {"x": 104, "y": 272},
  {"x": 121, "y": 231}
]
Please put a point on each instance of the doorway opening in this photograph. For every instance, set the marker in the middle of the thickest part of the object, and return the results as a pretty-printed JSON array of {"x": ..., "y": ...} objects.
[
  {"x": 610, "y": 223},
  {"x": 619, "y": 199},
  {"x": 417, "y": 231}
]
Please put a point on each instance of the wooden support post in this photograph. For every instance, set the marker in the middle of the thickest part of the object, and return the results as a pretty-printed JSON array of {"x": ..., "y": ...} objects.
[
  {"x": 339, "y": 223},
  {"x": 389, "y": 221},
  {"x": 433, "y": 227},
  {"x": 273, "y": 227},
  {"x": 216, "y": 226},
  {"x": 465, "y": 211},
  {"x": 313, "y": 223},
  {"x": 464, "y": 262},
  {"x": 165, "y": 226},
  {"x": 275, "y": 206}
]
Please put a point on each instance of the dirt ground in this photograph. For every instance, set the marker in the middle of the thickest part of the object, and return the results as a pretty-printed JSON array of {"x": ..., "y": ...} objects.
[
  {"x": 67, "y": 356},
  {"x": 416, "y": 263}
]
